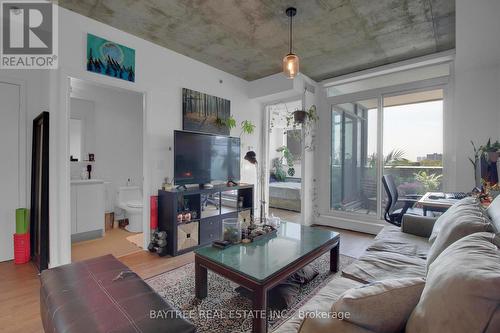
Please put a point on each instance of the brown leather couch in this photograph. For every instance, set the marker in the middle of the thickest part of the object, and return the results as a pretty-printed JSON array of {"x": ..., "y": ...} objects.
[{"x": 103, "y": 295}]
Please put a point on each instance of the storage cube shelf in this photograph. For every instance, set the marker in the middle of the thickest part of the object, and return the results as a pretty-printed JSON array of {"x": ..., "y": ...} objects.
[{"x": 208, "y": 208}]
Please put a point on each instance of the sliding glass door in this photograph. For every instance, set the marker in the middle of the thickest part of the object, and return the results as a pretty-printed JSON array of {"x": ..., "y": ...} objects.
[
  {"x": 397, "y": 134},
  {"x": 354, "y": 144}
]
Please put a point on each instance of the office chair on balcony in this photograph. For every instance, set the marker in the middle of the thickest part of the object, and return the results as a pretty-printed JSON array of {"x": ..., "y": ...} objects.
[{"x": 395, "y": 215}]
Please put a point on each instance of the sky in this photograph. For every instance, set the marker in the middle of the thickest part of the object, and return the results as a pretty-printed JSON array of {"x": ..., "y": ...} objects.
[{"x": 417, "y": 129}]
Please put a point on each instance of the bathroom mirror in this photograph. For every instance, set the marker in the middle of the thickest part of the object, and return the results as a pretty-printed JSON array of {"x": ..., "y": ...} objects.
[
  {"x": 75, "y": 139},
  {"x": 82, "y": 129}
]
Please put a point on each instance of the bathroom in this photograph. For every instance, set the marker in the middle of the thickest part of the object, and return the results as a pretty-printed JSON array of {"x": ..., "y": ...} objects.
[{"x": 106, "y": 158}]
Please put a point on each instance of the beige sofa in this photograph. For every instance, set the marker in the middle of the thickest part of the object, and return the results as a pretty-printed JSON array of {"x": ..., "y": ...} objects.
[{"x": 396, "y": 266}]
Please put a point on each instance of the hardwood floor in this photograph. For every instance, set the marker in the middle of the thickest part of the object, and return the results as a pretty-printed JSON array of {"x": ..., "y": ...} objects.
[
  {"x": 19, "y": 284},
  {"x": 114, "y": 242}
]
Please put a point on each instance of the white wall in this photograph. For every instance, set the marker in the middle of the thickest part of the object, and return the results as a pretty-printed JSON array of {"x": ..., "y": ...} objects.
[
  {"x": 476, "y": 103},
  {"x": 113, "y": 133}
]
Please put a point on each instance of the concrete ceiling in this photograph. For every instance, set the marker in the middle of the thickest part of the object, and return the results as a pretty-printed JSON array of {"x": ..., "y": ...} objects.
[{"x": 248, "y": 38}]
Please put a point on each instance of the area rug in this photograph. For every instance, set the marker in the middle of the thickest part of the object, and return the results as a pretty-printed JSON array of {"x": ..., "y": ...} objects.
[{"x": 216, "y": 313}]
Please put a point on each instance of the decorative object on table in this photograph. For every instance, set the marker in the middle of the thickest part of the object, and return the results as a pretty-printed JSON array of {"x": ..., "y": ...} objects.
[
  {"x": 186, "y": 216},
  {"x": 205, "y": 113},
  {"x": 274, "y": 221},
  {"x": 167, "y": 184},
  {"x": 221, "y": 244},
  {"x": 158, "y": 243},
  {"x": 110, "y": 58},
  {"x": 179, "y": 217},
  {"x": 251, "y": 157},
  {"x": 89, "y": 171},
  {"x": 259, "y": 232},
  {"x": 231, "y": 230},
  {"x": 91, "y": 157},
  {"x": 291, "y": 60}
]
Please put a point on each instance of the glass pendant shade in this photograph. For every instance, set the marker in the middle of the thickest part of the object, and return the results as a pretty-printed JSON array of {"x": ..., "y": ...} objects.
[{"x": 291, "y": 65}]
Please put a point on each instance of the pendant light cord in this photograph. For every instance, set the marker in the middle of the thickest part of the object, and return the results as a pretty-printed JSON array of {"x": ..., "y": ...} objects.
[{"x": 291, "y": 22}]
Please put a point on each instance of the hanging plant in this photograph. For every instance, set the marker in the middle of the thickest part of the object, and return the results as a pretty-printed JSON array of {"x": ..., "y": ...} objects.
[{"x": 300, "y": 116}]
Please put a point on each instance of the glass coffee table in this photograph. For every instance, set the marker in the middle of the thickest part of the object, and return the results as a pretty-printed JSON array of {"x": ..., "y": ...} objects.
[{"x": 261, "y": 265}]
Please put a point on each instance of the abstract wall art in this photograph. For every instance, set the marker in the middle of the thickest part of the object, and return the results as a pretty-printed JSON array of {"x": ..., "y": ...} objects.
[{"x": 110, "y": 58}]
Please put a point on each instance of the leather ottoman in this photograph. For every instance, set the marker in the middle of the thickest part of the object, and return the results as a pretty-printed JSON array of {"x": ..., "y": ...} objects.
[{"x": 103, "y": 295}]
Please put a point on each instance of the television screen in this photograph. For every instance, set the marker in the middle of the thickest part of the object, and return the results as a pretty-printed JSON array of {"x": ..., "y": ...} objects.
[{"x": 203, "y": 158}]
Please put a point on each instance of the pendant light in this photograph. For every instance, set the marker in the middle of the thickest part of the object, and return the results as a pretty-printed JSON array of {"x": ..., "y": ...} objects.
[{"x": 291, "y": 60}]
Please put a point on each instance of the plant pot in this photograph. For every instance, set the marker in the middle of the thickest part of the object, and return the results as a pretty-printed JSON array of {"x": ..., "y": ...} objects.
[
  {"x": 299, "y": 117},
  {"x": 493, "y": 156}
]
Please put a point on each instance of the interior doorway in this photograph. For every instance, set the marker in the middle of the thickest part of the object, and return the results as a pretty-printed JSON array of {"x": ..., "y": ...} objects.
[
  {"x": 106, "y": 140},
  {"x": 284, "y": 171}
]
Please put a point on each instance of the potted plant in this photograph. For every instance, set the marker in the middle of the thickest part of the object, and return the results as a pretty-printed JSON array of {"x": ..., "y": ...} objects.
[
  {"x": 476, "y": 164},
  {"x": 300, "y": 116},
  {"x": 491, "y": 150}
]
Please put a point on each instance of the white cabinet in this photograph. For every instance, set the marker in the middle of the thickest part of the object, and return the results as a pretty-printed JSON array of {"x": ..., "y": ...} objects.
[
  {"x": 87, "y": 208},
  {"x": 73, "y": 209}
]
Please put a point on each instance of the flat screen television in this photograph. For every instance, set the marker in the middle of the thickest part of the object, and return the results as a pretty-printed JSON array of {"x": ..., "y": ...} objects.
[{"x": 203, "y": 158}]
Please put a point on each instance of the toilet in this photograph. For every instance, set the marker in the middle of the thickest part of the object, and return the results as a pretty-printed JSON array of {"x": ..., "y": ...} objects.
[{"x": 130, "y": 200}]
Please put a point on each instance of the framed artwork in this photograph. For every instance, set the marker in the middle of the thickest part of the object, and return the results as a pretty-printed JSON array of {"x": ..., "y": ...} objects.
[
  {"x": 110, "y": 58},
  {"x": 205, "y": 113}
]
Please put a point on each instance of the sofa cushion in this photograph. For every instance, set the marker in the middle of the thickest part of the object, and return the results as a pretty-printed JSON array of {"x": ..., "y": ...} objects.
[
  {"x": 380, "y": 265},
  {"x": 459, "y": 227},
  {"x": 493, "y": 212},
  {"x": 321, "y": 302},
  {"x": 466, "y": 206},
  {"x": 383, "y": 306},
  {"x": 391, "y": 239},
  {"x": 462, "y": 291}
]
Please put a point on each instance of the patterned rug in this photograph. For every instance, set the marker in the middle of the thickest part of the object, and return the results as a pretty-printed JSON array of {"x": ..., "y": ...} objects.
[{"x": 216, "y": 313}]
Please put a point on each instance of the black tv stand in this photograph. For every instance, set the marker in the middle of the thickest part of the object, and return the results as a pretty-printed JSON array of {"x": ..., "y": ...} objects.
[
  {"x": 206, "y": 209},
  {"x": 181, "y": 187}
]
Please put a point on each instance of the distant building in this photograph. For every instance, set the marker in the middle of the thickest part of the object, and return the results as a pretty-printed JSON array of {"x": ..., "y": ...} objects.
[{"x": 430, "y": 157}]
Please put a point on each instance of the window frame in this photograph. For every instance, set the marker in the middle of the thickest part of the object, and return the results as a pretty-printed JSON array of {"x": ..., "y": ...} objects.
[{"x": 365, "y": 222}]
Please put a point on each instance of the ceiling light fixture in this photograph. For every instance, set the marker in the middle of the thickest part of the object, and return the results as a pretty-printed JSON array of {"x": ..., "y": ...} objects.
[{"x": 291, "y": 60}]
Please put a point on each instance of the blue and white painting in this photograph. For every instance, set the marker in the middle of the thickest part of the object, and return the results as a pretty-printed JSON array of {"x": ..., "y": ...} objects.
[{"x": 109, "y": 58}]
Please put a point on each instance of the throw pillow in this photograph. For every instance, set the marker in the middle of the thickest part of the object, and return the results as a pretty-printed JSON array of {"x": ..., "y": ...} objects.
[
  {"x": 462, "y": 290},
  {"x": 461, "y": 226},
  {"x": 383, "y": 306},
  {"x": 467, "y": 205}
]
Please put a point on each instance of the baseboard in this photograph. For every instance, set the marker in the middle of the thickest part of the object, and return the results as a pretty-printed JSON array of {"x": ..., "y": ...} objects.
[
  {"x": 349, "y": 224},
  {"x": 84, "y": 236}
]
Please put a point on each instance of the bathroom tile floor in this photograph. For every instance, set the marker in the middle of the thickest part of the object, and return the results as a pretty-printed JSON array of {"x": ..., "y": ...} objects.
[{"x": 114, "y": 242}]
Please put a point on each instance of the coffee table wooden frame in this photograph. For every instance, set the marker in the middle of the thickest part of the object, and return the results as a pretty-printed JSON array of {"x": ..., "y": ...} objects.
[{"x": 260, "y": 288}]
